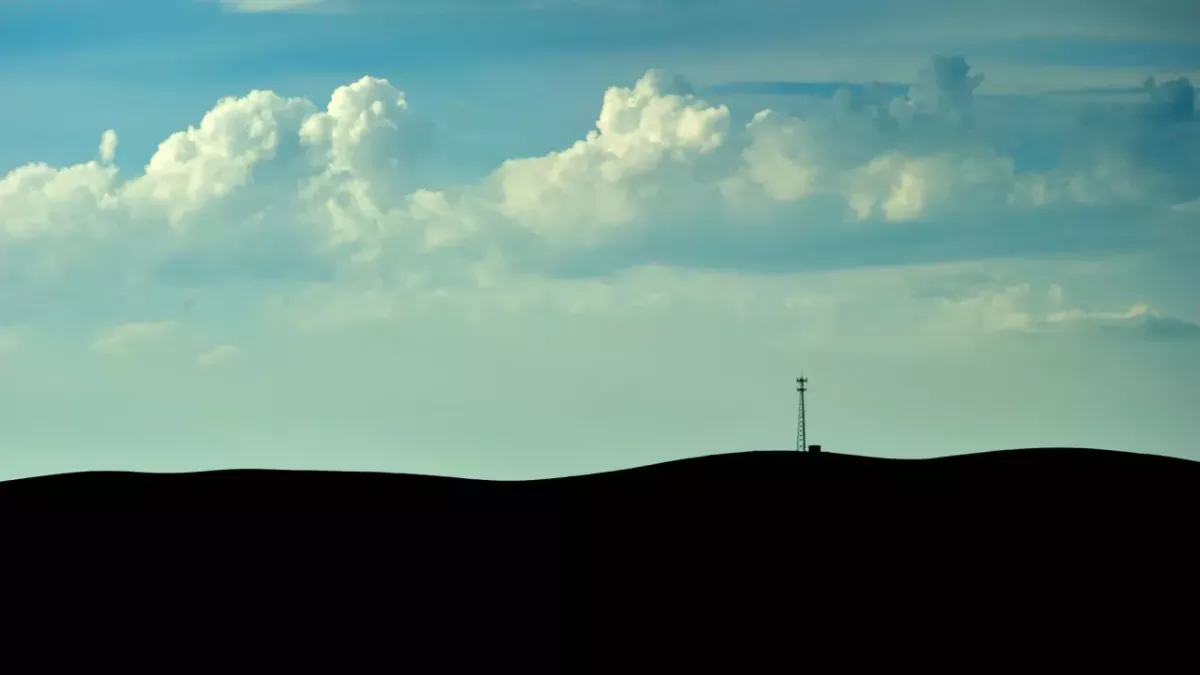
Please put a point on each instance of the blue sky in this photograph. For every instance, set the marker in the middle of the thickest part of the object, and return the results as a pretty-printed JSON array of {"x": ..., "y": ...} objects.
[{"x": 523, "y": 239}]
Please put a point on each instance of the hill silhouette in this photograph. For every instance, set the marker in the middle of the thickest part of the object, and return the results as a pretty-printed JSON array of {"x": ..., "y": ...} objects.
[
  {"x": 1061, "y": 472},
  {"x": 755, "y": 553}
]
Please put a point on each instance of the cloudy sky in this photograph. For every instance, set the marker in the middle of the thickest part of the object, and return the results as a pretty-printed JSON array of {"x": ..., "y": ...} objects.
[{"x": 531, "y": 238}]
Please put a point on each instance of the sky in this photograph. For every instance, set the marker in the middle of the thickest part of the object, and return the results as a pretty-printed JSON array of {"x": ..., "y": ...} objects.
[{"x": 520, "y": 239}]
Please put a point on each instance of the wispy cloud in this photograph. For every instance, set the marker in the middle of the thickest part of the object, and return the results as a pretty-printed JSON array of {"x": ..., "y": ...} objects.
[
  {"x": 217, "y": 356},
  {"x": 1014, "y": 309},
  {"x": 282, "y": 6},
  {"x": 129, "y": 338},
  {"x": 11, "y": 340}
]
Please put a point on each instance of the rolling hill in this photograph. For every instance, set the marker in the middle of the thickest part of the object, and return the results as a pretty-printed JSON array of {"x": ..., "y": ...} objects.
[{"x": 756, "y": 548}]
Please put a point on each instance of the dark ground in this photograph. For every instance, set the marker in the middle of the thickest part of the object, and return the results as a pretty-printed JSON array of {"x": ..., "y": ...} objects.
[{"x": 1044, "y": 559}]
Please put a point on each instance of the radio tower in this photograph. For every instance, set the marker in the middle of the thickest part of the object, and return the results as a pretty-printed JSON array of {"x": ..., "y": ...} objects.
[{"x": 801, "y": 386}]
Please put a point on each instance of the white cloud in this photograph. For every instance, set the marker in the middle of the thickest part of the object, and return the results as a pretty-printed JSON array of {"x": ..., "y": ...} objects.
[
  {"x": 129, "y": 338},
  {"x": 999, "y": 310},
  {"x": 268, "y": 188},
  {"x": 923, "y": 156},
  {"x": 641, "y": 156},
  {"x": 38, "y": 199},
  {"x": 217, "y": 356},
  {"x": 108, "y": 147},
  {"x": 366, "y": 130},
  {"x": 370, "y": 146},
  {"x": 208, "y": 163},
  {"x": 663, "y": 165},
  {"x": 271, "y": 6},
  {"x": 261, "y": 180},
  {"x": 1020, "y": 309}
]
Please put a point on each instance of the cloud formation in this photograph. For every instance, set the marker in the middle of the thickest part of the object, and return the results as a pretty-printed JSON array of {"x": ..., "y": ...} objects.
[
  {"x": 305, "y": 282},
  {"x": 1021, "y": 309},
  {"x": 268, "y": 189}
]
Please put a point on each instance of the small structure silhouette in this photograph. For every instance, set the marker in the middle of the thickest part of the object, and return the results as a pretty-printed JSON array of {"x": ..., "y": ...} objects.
[
  {"x": 814, "y": 448},
  {"x": 801, "y": 387}
]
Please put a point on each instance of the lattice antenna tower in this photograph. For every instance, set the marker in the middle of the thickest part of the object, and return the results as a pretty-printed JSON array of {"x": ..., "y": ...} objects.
[{"x": 801, "y": 387}]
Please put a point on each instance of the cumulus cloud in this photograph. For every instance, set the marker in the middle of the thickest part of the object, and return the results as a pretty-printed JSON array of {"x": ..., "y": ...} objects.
[
  {"x": 38, "y": 199},
  {"x": 242, "y": 185},
  {"x": 366, "y": 130},
  {"x": 664, "y": 171},
  {"x": 639, "y": 159},
  {"x": 210, "y": 162},
  {"x": 369, "y": 146},
  {"x": 268, "y": 189},
  {"x": 917, "y": 156}
]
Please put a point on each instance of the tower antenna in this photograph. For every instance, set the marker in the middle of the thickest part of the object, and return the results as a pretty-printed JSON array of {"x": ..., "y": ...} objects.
[{"x": 801, "y": 386}]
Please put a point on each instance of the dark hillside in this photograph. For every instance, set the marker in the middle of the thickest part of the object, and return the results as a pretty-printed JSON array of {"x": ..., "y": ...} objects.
[{"x": 1018, "y": 551}]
